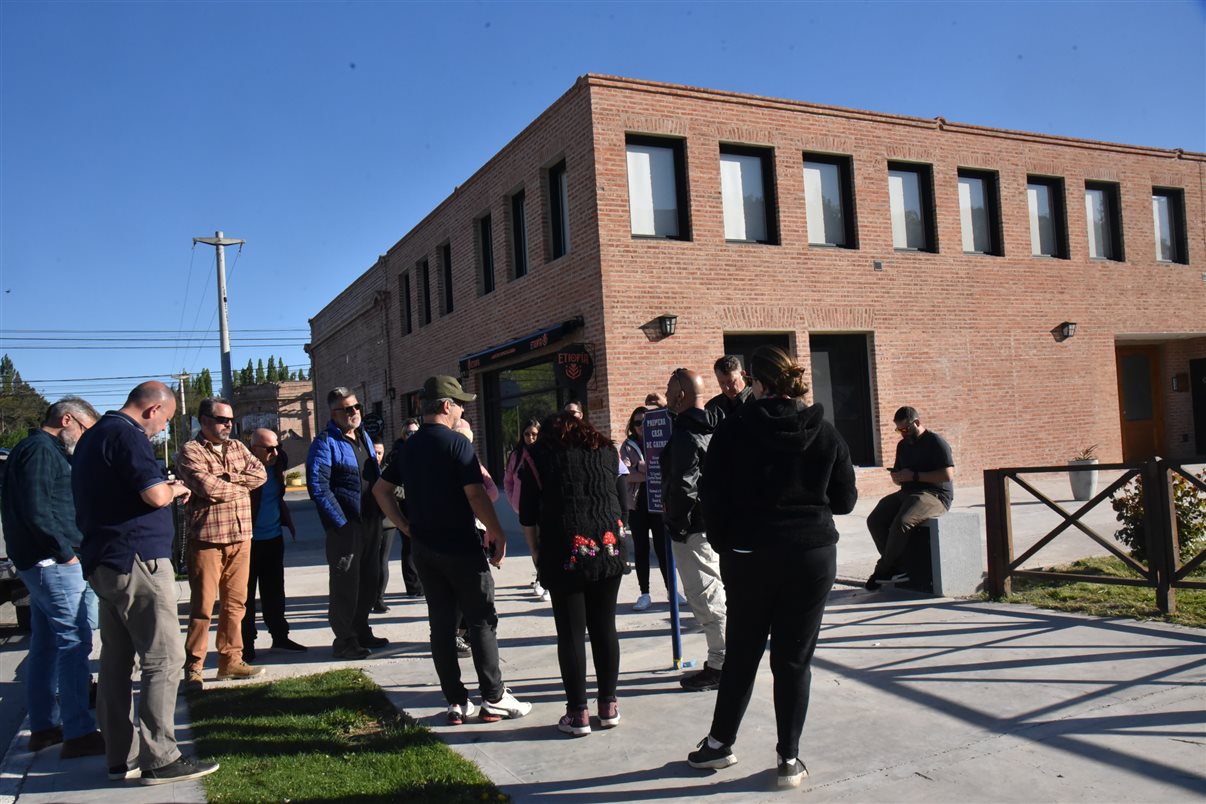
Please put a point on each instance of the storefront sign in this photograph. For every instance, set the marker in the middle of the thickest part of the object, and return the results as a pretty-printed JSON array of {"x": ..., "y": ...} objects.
[
  {"x": 657, "y": 433},
  {"x": 573, "y": 366},
  {"x": 520, "y": 346}
]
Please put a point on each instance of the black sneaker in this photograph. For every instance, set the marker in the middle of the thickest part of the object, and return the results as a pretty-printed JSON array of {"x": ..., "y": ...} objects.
[
  {"x": 181, "y": 770},
  {"x": 708, "y": 757},
  {"x": 872, "y": 583},
  {"x": 876, "y": 580},
  {"x": 380, "y": 608},
  {"x": 44, "y": 738},
  {"x": 370, "y": 641},
  {"x": 349, "y": 650},
  {"x": 289, "y": 645},
  {"x": 121, "y": 773},
  {"x": 704, "y": 680},
  {"x": 463, "y": 649},
  {"x": 86, "y": 745},
  {"x": 791, "y": 772}
]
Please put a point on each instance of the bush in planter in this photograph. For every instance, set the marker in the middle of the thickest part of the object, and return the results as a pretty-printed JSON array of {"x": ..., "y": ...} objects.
[
  {"x": 1191, "y": 516},
  {"x": 294, "y": 479}
]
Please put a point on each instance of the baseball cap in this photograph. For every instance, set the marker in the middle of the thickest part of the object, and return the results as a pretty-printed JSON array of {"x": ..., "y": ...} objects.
[{"x": 442, "y": 386}]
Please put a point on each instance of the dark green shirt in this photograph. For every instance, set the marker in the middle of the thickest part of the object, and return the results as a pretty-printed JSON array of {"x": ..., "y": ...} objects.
[{"x": 36, "y": 502}]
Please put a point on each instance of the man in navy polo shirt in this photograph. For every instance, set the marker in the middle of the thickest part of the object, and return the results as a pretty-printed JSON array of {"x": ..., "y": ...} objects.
[
  {"x": 444, "y": 497},
  {"x": 122, "y": 498}
]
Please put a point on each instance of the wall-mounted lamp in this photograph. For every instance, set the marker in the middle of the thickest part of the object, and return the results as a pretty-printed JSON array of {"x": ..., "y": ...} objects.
[
  {"x": 1064, "y": 331},
  {"x": 392, "y": 393},
  {"x": 667, "y": 324}
]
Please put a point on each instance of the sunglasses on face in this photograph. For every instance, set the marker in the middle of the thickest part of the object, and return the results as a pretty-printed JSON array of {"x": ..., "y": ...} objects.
[
  {"x": 221, "y": 419},
  {"x": 349, "y": 410},
  {"x": 268, "y": 448}
]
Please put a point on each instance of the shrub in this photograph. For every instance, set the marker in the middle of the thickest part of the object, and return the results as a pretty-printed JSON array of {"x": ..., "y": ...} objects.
[
  {"x": 294, "y": 479},
  {"x": 1191, "y": 516}
]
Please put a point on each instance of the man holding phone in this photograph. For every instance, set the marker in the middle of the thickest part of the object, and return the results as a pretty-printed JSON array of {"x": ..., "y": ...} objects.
[{"x": 925, "y": 470}]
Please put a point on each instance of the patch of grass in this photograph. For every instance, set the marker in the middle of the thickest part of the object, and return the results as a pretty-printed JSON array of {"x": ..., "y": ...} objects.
[
  {"x": 327, "y": 737},
  {"x": 1104, "y": 600}
]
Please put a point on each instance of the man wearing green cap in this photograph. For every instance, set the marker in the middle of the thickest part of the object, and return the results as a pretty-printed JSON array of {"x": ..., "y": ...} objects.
[{"x": 444, "y": 496}]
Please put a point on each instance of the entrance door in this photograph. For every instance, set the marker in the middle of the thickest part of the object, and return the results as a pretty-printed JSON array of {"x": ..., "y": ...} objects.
[
  {"x": 841, "y": 384},
  {"x": 1140, "y": 406},
  {"x": 744, "y": 345},
  {"x": 1197, "y": 384},
  {"x": 513, "y": 396}
]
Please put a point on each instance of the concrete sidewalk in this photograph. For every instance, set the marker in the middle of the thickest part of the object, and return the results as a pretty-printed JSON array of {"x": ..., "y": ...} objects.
[{"x": 914, "y": 699}]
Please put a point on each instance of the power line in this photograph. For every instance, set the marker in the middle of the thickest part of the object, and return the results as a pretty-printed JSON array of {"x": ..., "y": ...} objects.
[
  {"x": 68, "y": 348},
  {"x": 152, "y": 331},
  {"x": 190, "y": 342}
]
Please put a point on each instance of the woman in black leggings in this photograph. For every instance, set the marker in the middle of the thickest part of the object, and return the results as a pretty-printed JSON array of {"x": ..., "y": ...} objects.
[
  {"x": 570, "y": 510},
  {"x": 775, "y": 474},
  {"x": 642, "y": 523}
]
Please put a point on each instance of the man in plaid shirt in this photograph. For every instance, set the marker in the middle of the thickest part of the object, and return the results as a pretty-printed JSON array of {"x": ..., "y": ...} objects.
[{"x": 221, "y": 473}]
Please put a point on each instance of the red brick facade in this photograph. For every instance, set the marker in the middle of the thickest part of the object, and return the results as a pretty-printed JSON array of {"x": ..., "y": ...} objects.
[{"x": 965, "y": 338}]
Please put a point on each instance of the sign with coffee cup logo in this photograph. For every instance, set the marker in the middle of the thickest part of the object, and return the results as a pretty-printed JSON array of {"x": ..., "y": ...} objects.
[{"x": 573, "y": 365}]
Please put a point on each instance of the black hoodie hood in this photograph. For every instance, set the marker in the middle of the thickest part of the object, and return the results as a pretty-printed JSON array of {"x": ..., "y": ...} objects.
[
  {"x": 695, "y": 420},
  {"x": 780, "y": 425}
]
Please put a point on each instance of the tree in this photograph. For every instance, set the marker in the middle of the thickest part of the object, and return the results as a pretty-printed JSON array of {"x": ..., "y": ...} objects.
[
  {"x": 271, "y": 374},
  {"x": 21, "y": 406},
  {"x": 248, "y": 374},
  {"x": 259, "y": 371}
]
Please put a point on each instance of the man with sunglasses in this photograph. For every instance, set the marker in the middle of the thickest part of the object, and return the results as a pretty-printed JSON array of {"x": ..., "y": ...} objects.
[
  {"x": 269, "y": 517},
  {"x": 340, "y": 472},
  {"x": 221, "y": 473},
  {"x": 925, "y": 470}
]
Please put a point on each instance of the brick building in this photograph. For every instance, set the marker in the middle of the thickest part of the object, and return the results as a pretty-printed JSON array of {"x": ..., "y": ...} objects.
[
  {"x": 286, "y": 407},
  {"x": 904, "y": 260}
]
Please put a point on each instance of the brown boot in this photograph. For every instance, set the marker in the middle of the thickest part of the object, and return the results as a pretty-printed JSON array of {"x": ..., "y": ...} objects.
[{"x": 239, "y": 669}]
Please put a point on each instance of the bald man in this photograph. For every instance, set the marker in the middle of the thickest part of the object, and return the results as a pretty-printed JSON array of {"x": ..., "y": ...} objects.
[
  {"x": 122, "y": 502},
  {"x": 698, "y": 564}
]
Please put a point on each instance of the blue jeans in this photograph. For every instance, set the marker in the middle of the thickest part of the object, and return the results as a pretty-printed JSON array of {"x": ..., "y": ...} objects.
[{"x": 57, "y": 674}]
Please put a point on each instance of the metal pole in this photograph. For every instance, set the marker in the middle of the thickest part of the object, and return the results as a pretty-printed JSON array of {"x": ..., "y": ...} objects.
[
  {"x": 218, "y": 241},
  {"x": 186, "y": 430}
]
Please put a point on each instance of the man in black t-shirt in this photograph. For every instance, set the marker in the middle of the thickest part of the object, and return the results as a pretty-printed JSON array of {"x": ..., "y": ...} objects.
[
  {"x": 924, "y": 469},
  {"x": 444, "y": 498}
]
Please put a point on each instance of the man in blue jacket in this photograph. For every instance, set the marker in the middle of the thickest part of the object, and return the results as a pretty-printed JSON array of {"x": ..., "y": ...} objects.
[
  {"x": 42, "y": 540},
  {"x": 341, "y": 469}
]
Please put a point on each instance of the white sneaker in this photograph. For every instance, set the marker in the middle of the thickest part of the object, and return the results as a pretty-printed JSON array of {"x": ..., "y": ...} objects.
[
  {"x": 538, "y": 590},
  {"x": 643, "y": 602},
  {"x": 458, "y": 714},
  {"x": 545, "y": 597},
  {"x": 505, "y": 707}
]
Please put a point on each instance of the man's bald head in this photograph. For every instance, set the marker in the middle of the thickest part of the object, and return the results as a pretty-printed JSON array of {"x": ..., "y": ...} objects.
[
  {"x": 684, "y": 390},
  {"x": 152, "y": 404},
  {"x": 263, "y": 437}
]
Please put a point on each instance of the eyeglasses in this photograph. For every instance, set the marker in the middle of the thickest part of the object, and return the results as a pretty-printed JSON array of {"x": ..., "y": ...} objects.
[
  {"x": 221, "y": 419},
  {"x": 349, "y": 410}
]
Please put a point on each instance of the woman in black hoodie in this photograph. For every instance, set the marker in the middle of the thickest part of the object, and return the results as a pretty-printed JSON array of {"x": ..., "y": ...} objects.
[{"x": 775, "y": 474}]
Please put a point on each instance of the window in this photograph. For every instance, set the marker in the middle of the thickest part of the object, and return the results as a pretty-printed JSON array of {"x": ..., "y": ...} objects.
[
  {"x": 1168, "y": 214},
  {"x": 559, "y": 209},
  {"x": 1048, "y": 226},
  {"x": 425, "y": 289},
  {"x": 404, "y": 298},
  {"x": 829, "y": 201},
  {"x": 519, "y": 236},
  {"x": 446, "y": 277},
  {"x": 1104, "y": 219},
  {"x": 657, "y": 187},
  {"x": 979, "y": 212},
  {"x": 747, "y": 192},
  {"x": 911, "y": 196},
  {"x": 486, "y": 245}
]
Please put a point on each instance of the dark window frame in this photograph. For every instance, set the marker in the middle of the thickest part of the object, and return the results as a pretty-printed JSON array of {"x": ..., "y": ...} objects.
[
  {"x": 446, "y": 298},
  {"x": 1112, "y": 193},
  {"x": 485, "y": 239},
  {"x": 770, "y": 192},
  {"x": 1176, "y": 214},
  {"x": 925, "y": 187},
  {"x": 406, "y": 305},
  {"x": 678, "y": 147},
  {"x": 519, "y": 234},
  {"x": 558, "y": 217},
  {"x": 424, "y": 268},
  {"x": 992, "y": 197},
  {"x": 845, "y": 166},
  {"x": 1059, "y": 209}
]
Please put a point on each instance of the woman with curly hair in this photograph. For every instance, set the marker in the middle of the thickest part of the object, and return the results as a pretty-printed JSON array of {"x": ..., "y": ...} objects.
[{"x": 570, "y": 511}]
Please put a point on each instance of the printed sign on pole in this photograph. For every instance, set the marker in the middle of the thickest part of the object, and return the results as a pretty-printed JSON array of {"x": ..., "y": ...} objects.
[{"x": 657, "y": 434}]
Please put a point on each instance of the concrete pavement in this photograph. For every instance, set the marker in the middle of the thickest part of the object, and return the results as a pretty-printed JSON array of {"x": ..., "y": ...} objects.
[{"x": 913, "y": 698}]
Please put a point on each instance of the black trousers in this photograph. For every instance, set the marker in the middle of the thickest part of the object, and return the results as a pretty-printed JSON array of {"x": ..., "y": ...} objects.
[
  {"x": 456, "y": 584},
  {"x": 410, "y": 576},
  {"x": 780, "y": 592},
  {"x": 352, "y": 592},
  {"x": 591, "y": 608},
  {"x": 645, "y": 527},
  {"x": 267, "y": 571},
  {"x": 387, "y": 545}
]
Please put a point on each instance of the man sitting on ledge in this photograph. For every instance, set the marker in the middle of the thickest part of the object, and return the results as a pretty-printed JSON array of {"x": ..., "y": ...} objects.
[{"x": 924, "y": 469}]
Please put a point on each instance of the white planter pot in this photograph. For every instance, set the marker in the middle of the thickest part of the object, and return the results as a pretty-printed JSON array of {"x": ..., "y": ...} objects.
[{"x": 1084, "y": 483}]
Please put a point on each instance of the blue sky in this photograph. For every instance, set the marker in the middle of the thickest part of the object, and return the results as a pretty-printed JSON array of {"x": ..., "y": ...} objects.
[{"x": 321, "y": 132}]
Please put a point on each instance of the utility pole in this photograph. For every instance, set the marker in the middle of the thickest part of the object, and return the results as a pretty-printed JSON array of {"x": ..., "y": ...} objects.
[
  {"x": 219, "y": 242},
  {"x": 187, "y": 431}
]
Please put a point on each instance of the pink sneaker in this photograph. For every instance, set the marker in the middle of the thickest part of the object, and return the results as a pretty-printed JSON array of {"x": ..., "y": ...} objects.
[
  {"x": 609, "y": 714},
  {"x": 575, "y": 722}
]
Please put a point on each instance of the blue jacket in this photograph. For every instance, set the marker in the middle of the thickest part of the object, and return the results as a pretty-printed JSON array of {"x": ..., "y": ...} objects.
[{"x": 333, "y": 476}]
